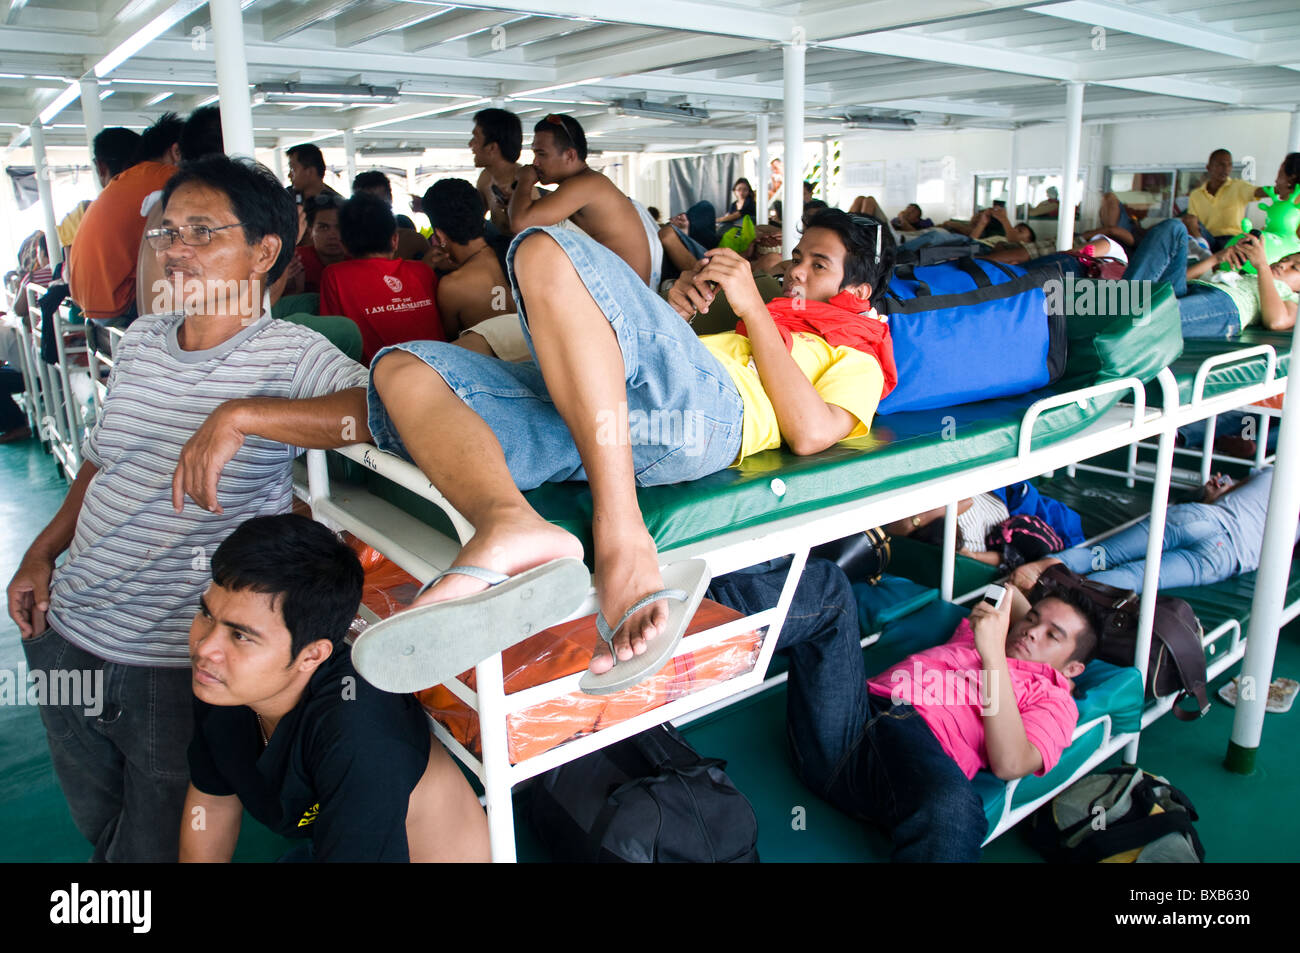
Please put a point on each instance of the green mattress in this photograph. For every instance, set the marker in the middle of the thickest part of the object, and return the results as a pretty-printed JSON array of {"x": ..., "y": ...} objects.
[
  {"x": 901, "y": 449},
  {"x": 1225, "y": 377}
]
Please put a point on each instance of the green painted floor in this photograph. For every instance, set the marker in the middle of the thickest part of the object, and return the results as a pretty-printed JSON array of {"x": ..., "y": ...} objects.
[{"x": 1241, "y": 818}]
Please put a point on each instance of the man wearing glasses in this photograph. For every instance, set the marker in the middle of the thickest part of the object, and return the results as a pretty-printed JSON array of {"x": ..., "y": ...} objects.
[
  {"x": 584, "y": 196},
  {"x": 217, "y": 389}
]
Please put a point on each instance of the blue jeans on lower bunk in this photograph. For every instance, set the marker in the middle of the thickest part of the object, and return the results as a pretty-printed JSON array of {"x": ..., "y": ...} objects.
[
  {"x": 1206, "y": 313},
  {"x": 1067, "y": 264},
  {"x": 874, "y": 761},
  {"x": 1196, "y": 552},
  {"x": 683, "y": 416}
]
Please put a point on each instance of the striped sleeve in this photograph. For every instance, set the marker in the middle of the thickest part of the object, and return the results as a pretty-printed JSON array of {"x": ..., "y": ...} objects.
[{"x": 324, "y": 369}]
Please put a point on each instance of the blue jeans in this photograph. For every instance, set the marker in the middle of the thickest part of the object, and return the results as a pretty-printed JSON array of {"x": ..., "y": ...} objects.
[
  {"x": 1196, "y": 552},
  {"x": 683, "y": 415},
  {"x": 124, "y": 768},
  {"x": 1067, "y": 263},
  {"x": 927, "y": 239},
  {"x": 1162, "y": 256},
  {"x": 869, "y": 759}
]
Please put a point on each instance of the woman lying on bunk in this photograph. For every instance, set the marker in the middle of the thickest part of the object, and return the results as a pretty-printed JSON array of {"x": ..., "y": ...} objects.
[
  {"x": 622, "y": 394},
  {"x": 1218, "y": 304},
  {"x": 1204, "y": 543}
]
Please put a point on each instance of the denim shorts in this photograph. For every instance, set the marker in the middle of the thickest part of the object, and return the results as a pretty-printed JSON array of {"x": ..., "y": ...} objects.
[{"x": 683, "y": 416}]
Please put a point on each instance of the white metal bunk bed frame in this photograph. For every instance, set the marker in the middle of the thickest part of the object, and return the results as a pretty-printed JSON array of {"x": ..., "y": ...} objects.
[{"x": 422, "y": 552}]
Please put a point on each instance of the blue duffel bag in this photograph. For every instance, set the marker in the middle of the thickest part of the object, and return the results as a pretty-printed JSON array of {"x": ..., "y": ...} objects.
[{"x": 970, "y": 329}]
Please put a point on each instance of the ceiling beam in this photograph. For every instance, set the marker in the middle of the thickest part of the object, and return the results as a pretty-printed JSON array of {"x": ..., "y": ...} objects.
[
  {"x": 355, "y": 27},
  {"x": 519, "y": 33},
  {"x": 280, "y": 26},
  {"x": 452, "y": 26},
  {"x": 1156, "y": 26}
]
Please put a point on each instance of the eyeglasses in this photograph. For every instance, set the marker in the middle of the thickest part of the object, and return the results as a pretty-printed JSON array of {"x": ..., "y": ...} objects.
[{"x": 160, "y": 239}]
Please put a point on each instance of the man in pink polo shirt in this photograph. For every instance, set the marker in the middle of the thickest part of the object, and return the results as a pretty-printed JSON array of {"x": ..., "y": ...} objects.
[{"x": 900, "y": 749}]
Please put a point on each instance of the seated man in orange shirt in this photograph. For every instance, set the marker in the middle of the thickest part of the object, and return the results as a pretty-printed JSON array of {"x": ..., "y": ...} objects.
[
  {"x": 102, "y": 263},
  {"x": 392, "y": 301}
]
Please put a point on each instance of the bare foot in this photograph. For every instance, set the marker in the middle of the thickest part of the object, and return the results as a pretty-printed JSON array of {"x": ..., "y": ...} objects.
[
  {"x": 1026, "y": 577},
  {"x": 510, "y": 543},
  {"x": 627, "y": 568}
]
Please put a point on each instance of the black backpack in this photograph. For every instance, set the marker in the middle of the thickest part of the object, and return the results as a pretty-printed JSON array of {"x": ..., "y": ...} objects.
[
  {"x": 648, "y": 799},
  {"x": 1123, "y": 815}
]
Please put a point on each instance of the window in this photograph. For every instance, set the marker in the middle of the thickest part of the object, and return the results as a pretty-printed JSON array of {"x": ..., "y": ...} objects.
[
  {"x": 1032, "y": 197},
  {"x": 1156, "y": 192}
]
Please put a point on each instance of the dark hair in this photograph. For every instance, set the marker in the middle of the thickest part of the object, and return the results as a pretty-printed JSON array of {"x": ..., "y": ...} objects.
[
  {"x": 309, "y": 155},
  {"x": 202, "y": 134},
  {"x": 915, "y": 206},
  {"x": 567, "y": 132},
  {"x": 159, "y": 137},
  {"x": 746, "y": 183},
  {"x": 320, "y": 202},
  {"x": 116, "y": 147},
  {"x": 1033, "y": 235},
  {"x": 1220, "y": 152},
  {"x": 366, "y": 225},
  {"x": 1290, "y": 166},
  {"x": 371, "y": 180},
  {"x": 931, "y": 533},
  {"x": 865, "y": 261},
  {"x": 255, "y": 195},
  {"x": 312, "y": 576},
  {"x": 455, "y": 207},
  {"x": 504, "y": 128},
  {"x": 1085, "y": 644},
  {"x": 812, "y": 208},
  {"x": 654, "y": 212}
]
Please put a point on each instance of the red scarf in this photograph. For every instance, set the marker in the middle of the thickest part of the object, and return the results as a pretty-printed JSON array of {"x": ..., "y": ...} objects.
[{"x": 844, "y": 321}]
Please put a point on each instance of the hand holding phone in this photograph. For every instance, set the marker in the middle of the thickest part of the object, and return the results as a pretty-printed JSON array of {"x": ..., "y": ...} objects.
[{"x": 994, "y": 595}]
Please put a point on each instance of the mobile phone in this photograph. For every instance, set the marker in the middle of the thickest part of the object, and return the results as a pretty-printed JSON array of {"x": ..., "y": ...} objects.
[
  {"x": 999, "y": 203},
  {"x": 994, "y": 595}
]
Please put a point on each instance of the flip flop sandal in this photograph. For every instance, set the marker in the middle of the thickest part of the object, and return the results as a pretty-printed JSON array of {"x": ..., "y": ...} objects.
[
  {"x": 431, "y": 644},
  {"x": 686, "y": 581}
]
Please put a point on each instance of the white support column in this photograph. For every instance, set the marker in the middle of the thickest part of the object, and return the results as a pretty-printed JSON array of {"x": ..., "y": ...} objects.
[
  {"x": 762, "y": 134},
  {"x": 1293, "y": 135},
  {"x": 1073, "y": 136},
  {"x": 232, "y": 76},
  {"x": 1270, "y": 591},
  {"x": 792, "y": 201},
  {"x": 1012, "y": 198},
  {"x": 350, "y": 153},
  {"x": 278, "y": 152},
  {"x": 93, "y": 115},
  {"x": 47, "y": 197},
  {"x": 826, "y": 171}
]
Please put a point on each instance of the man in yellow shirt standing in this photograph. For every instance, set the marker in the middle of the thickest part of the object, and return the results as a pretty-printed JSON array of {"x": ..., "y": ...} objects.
[{"x": 1220, "y": 201}]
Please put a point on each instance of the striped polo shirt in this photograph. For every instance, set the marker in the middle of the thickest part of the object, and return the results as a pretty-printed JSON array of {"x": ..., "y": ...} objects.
[{"x": 128, "y": 590}]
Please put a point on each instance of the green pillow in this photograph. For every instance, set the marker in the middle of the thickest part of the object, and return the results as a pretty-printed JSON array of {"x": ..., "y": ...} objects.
[{"x": 342, "y": 332}]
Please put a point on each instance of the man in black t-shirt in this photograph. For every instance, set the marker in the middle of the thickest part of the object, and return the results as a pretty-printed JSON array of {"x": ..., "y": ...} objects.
[{"x": 285, "y": 728}]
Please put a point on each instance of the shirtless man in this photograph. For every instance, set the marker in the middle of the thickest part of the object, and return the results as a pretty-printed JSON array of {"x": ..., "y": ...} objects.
[
  {"x": 584, "y": 196},
  {"x": 477, "y": 289},
  {"x": 496, "y": 142}
]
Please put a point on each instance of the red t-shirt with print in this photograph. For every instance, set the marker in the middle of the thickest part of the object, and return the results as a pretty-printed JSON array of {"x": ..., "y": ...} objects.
[{"x": 392, "y": 301}]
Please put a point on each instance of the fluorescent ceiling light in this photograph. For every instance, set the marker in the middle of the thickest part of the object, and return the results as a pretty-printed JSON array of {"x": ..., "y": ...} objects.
[
  {"x": 642, "y": 107},
  {"x": 146, "y": 35},
  {"x": 878, "y": 122},
  {"x": 398, "y": 149},
  {"x": 324, "y": 93},
  {"x": 59, "y": 102},
  {"x": 155, "y": 100},
  {"x": 105, "y": 94}
]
